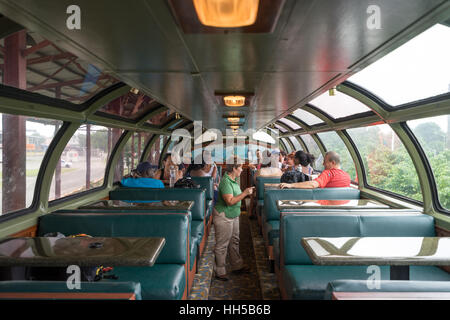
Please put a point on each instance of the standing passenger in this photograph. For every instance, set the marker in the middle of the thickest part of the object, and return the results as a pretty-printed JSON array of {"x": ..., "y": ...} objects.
[{"x": 226, "y": 222}]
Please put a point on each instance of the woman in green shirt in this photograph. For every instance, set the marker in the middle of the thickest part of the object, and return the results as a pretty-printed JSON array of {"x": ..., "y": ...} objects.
[{"x": 226, "y": 221}]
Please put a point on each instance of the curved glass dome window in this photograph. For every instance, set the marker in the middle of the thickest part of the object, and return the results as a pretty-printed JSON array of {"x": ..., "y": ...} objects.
[
  {"x": 290, "y": 123},
  {"x": 296, "y": 144},
  {"x": 340, "y": 105},
  {"x": 83, "y": 161},
  {"x": 307, "y": 117},
  {"x": 434, "y": 137},
  {"x": 264, "y": 137},
  {"x": 286, "y": 143},
  {"x": 313, "y": 148},
  {"x": 387, "y": 164},
  {"x": 280, "y": 128},
  {"x": 333, "y": 142},
  {"x": 417, "y": 70},
  {"x": 54, "y": 72},
  {"x": 22, "y": 158}
]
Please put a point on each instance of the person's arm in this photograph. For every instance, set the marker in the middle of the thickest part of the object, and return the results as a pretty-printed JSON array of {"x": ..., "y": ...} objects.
[
  {"x": 214, "y": 173},
  {"x": 300, "y": 185},
  {"x": 230, "y": 200}
]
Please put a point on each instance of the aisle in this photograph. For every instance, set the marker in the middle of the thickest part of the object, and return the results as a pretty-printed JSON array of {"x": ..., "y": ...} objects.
[{"x": 240, "y": 286}]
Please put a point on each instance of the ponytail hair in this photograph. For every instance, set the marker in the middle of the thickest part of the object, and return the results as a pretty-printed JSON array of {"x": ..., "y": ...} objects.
[{"x": 304, "y": 158}]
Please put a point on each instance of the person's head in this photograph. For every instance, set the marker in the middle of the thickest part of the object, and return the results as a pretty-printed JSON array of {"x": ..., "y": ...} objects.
[
  {"x": 282, "y": 156},
  {"x": 303, "y": 158},
  {"x": 167, "y": 161},
  {"x": 258, "y": 154},
  {"x": 145, "y": 170},
  {"x": 233, "y": 167},
  {"x": 331, "y": 160},
  {"x": 290, "y": 159}
]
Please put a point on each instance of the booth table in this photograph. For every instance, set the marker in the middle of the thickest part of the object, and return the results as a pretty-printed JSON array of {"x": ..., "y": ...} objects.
[{"x": 397, "y": 252}]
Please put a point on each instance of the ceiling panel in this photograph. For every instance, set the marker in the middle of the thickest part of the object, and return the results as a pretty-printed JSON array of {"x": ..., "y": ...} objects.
[{"x": 313, "y": 43}]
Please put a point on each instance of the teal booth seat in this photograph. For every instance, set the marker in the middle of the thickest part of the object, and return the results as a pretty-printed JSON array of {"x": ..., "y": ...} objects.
[
  {"x": 260, "y": 181},
  {"x": 300, "y": 279},
  {"x": 198, "y": 209},
  {"x": 271, "y": 214},
  {"x": 386, "y": 286},
  {"x": 54, "y": 288},
  {"x": 167, "y": 278},
  {"x": 207, "y": 183}
]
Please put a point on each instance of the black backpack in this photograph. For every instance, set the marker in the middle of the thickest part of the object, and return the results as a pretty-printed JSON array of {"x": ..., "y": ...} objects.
[
  {"x": 294, "y": 176},
  {"x": 186, "y": 183}
]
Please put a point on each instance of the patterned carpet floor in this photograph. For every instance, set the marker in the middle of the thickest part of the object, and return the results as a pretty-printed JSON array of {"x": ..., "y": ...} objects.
[{"x": 256, "y": 285}]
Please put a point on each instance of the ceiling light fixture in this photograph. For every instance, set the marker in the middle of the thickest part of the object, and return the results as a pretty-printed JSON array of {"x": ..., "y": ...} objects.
[
  {"x": 134, "y": 90},
  {"x": 234, "y": 101},
  {"x": 226, "y": 13},
  {"x": 233, "y": 119}
]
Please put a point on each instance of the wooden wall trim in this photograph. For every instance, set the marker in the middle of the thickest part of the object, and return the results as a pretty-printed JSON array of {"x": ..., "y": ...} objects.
[{"x": 28, "y": 232}]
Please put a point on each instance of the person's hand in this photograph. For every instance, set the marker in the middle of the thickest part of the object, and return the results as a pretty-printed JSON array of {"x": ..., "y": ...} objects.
[
  {"x": 249, "y": 191},
  {"x": 285, "y": 186}
]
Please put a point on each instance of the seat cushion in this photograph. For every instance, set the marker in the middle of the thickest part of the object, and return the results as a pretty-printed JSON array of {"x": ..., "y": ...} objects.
[
  {"x": 386, "y": 286},
  {"x": 310, "y": 282},
  {"x": 160, "y": 282}
]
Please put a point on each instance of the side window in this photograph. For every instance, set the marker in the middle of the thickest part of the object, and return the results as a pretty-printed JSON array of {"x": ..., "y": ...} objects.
[
  {"x": 24, "y": 142},
  {"x": 313, "y": 148},
  {"x": 333, "y": 142},
  {"x": 387, "y": 164},
  {"x": 434, "y": 137},
  {"x": 83, "y": 162}
]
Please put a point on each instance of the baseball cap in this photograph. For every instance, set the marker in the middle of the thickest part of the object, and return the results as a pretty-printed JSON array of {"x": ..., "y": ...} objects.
[{"x": 143, "y": 167}]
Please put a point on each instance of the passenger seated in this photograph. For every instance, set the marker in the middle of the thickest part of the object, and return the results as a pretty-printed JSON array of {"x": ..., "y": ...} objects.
[
  {"x": 269, "y": 167},
  {"x": 196, "y": 170},
  {"x": 304, "y": 160},
  {"x": 331, "y": 177},
  {"x": 164, "y": 173},
  {"x": 290, "y": 162},
  {"x": 145, "y": 176}
]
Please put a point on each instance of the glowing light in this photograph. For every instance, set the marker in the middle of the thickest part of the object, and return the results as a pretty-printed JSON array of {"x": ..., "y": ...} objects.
[
  {"x": 227, "y": 13},
  {"x": 234, "y": 101}
]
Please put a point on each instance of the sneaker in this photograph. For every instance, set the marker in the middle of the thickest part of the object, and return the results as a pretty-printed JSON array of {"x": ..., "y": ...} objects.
[{"x": 244, "y": 269}]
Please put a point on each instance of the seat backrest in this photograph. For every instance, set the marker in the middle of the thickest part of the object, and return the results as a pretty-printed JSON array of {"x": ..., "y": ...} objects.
[
  {"x": 272, "y": 196},
  {"x": 206, "y": 183},
  {"x": 173, "y": 227},
  {"x": 140, "y": 194},
  {"x": 260, "y": 181},
  {"x": 293, "y": 227}
]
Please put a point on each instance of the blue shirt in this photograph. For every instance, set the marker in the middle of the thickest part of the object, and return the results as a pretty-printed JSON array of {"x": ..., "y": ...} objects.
[{"x": 142, "y": 183}]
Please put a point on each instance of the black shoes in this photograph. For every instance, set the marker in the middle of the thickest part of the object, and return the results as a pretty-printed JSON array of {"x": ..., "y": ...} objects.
[{"x": 244, "y": 269}]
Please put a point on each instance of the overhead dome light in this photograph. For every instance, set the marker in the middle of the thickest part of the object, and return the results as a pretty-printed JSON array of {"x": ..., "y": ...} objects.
[
  {"x": 234, "y": 101},
  {"x": 134, "y": 90},
  {"x": 234, "y": 127},
  {"x": 233, "y": 119},
  {"x": 226, "y": 13}
]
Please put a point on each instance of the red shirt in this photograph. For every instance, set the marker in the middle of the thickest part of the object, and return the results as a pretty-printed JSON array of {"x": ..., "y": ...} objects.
[{"x": 333, "y": 178}]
